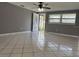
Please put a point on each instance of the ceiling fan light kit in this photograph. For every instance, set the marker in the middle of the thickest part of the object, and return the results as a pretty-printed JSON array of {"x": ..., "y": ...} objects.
[{"x": 40, "y": 9}]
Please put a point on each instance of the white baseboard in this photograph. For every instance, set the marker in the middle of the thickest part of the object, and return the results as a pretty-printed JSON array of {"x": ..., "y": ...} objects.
[
  {"x": 64, "y": 34},
  {"x": 47, "y": 32},
  {"x": 15, "y": 33}
]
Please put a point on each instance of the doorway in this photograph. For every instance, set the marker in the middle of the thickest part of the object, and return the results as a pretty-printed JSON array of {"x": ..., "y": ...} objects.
[
  {"x": 38, "y": 22},
  {"x": 42, "y": 22}
]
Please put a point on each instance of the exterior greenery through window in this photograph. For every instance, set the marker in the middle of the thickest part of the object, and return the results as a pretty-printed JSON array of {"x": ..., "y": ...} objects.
[{"x": 68, "y": 18}]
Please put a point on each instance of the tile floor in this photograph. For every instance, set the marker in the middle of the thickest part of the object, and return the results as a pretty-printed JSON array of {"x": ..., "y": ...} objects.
[{"x": 38, "y": 44}]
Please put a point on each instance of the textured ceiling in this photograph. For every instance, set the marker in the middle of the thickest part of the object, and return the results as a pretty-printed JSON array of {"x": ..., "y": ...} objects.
[{"x": 55, "y": 6}]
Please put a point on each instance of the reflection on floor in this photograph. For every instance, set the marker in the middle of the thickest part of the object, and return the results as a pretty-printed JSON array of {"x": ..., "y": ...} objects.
[{"x": 38, "y": 44}]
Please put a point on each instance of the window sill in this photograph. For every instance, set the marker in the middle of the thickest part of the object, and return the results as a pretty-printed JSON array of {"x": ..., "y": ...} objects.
[{"x": 62, "y": 23}]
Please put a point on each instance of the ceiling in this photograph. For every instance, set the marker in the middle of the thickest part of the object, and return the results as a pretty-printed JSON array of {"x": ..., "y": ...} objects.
[{"x": 55, "y": 6}]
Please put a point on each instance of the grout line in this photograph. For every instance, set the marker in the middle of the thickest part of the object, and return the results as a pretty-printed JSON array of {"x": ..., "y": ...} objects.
[
  {"x": 32, "y": 44},
  {"x": 6, "y": 45},
  {"x": 13, "y": 48},
  {"x": 23, "y": 48}
]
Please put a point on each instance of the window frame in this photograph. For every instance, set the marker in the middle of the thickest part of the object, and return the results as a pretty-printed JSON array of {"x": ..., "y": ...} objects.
[
  {"x": 61, "y": 14},
  {"x": 55, "y": 18},
  {"x": 68, "y": 18}
]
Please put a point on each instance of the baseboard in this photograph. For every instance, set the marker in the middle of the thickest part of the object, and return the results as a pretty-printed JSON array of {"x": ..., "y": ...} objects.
[
  {"x": 15, "y": 33},
  {"x": 64, "y": 34},
  {"x": 47, "y": 32}
]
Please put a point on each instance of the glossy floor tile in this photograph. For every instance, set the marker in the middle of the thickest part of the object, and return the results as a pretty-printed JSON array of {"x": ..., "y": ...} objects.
[{"x": 38, "y": 44}]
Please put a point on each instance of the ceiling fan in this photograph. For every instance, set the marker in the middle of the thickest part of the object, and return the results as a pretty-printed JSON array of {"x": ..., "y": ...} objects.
[{"x": 41, "y": 6}]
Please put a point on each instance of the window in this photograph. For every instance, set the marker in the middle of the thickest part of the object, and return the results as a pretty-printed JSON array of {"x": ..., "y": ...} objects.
[
  {"x": 68, "y": 18},
  {"x": 62, "y": 18},
  {"x": 54, "y": 18}
]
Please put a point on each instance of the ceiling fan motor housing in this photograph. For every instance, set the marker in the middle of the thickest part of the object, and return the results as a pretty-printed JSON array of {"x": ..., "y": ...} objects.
[{"x": 40, "y": 4}]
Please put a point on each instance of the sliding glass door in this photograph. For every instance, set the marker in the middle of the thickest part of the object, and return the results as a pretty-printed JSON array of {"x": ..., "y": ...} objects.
[
  {"x": 38, "y": 22},
  {"x": 35, "y": 22},
  {"x": 42, "y": 22}
]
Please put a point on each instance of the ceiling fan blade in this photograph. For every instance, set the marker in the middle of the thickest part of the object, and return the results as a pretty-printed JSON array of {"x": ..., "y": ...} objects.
[
  {"x": 47, "y": 7},
  {"x": 42, "y": 5},
  {"x": 35, "y": 4},
  {"x": 46, "y": 4}
]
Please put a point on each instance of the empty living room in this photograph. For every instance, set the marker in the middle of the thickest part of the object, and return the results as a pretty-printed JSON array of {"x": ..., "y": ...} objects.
[{"x": 39, "y": 29}]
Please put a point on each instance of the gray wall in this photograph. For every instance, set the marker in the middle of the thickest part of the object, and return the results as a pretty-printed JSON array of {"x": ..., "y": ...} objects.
[
  {"x": 63, "y": 28},
  {"x": 14, "y": 18}
]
